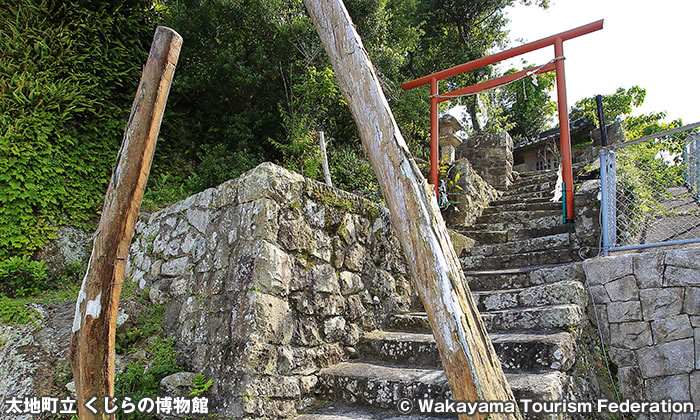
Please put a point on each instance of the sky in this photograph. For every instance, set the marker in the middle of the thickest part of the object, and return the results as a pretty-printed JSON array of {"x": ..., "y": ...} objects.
[{"x": 653, "y": 44}]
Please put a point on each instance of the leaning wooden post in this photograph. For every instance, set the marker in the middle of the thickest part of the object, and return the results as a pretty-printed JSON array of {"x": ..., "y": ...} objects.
[
  {"x": 469, "y": 359},
  {"x": 324, "y": 158},
  {"x": 94, "y": 325}
]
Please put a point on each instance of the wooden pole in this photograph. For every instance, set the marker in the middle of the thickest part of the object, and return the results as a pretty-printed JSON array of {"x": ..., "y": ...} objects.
[
  {"x": 471, "y": 364},
  {"x": 324, "y": 158},
  {"x": 94, "y": 325}
]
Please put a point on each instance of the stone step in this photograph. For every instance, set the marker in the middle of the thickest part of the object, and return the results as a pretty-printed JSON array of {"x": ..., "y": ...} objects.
[
  {"x": 523, "y": 277},
  {"x": 526, "y": 196},
  {"x": 559, "y": 293},
  {"x": 486, "y": 235},
  {"x": 536, "y": 258},
  {"x": 541, "y": 318},
  {"x": 510, "y": 200},
  {"x": 530, "y": 187},
  {"x": 525, "y": 223},
  {"x": 382, "y": 385},
  {"x": 518, "y": 216},
  {"x": 520, "y": 206},
  {"x": 516, "y": 349},
  {"x": 340, "y": 411},
  {"x": 536, "y": 176},
  {"x": 542, "y": 243}
]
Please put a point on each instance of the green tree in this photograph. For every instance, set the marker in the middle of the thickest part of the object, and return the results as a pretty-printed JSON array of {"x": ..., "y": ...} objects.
[
  {"x": 528, "y": 105},
  {"x": 617, "y": 105}
]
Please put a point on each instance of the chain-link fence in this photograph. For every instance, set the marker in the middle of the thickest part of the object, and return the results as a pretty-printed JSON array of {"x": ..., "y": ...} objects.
[{"x": 650, "y": 190}]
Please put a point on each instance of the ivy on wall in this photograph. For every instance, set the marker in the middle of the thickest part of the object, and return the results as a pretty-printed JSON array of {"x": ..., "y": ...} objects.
[{"x": 68, "y": 71}]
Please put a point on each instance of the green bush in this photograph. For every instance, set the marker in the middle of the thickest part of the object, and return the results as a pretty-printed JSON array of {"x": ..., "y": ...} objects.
[
  {"x": 350, "y": 171},
  {"x": 68, "y": 72},
  {"x": 22, "y": 277}
]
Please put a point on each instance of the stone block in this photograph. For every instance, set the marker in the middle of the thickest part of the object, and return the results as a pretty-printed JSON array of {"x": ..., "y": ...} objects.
[
  {"x": 666, "y": 359},
  {"x": 321, "y": 247},
  {"x": 273, "y": 386},
  {"x": 600, "y": 295},
  {"x": 350, "y": 283},
  {"x": 176, "y": 267},
  {"x": 671, "y": 328},
  {"x": 649, "y": 269},
  {"x": 695, "y": 389},
  {"x": 274, "y": 319},
  {"x": 624, "y": 311},
  {"x": 695, "y": 321},
  {"x": 623, "y": 357},
  {"x": 689, "y": 258},
  {"x": 199, "y": 218},
  {"x": 630, "y": 335},
  {"x": 697, "y": 348},
  {"x": 334, "y": 328},
  {"x": 272, "y": 271},
  {"x": 680, "y": 276},
  {"x": 631, "y": 383},
  {"x": 355, "y": 257},
  {"x": 691, "y": 301},
  {"x": 661, "y": 303},
  {"x": 675, "y": 388},
  {"x": 324, "y": 279},
  {"x": 270, "y": 181},
  {"x": 624, "y": 289},
  {"x": 606, "y": 269},
  {"x": 295, "y": 234}
]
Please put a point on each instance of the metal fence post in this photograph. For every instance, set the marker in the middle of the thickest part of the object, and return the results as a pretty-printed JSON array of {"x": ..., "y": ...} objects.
[
  {"x": 604, "y": 199},
  {"x": 696, "y": 165}
]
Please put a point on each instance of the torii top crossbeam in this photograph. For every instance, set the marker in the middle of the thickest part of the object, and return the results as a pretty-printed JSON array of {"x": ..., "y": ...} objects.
[{"x": 557, "y": 65}]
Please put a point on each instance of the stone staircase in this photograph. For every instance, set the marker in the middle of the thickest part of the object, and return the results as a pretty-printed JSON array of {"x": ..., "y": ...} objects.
[{"x": 527, "y": 284}]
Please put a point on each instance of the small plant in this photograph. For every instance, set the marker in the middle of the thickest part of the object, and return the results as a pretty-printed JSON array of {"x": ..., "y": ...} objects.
[
  {"x": 22, "y": 277},
  {"x": 447, "y": 185},
  {"x": 14, "y": 311},
  {"x": 201, "y": 385}
]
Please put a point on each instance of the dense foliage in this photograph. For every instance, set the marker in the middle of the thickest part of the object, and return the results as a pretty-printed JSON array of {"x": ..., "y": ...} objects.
[{"x": 68, "y": 71}]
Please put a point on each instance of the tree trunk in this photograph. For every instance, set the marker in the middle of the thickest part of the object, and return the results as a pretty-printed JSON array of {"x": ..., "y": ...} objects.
[
  {"x": 94, "y": 325},
  {"x": 471, "y": 364}
]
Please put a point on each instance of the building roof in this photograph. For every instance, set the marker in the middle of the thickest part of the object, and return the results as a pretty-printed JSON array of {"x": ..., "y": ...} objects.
[{"x": 576, "y": 127}]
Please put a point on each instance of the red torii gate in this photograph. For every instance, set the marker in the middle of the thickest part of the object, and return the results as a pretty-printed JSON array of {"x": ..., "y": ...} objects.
[{"x": 557, "y": 65}]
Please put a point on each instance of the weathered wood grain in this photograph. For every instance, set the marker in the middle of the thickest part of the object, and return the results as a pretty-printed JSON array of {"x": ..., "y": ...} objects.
[
  {"x": 469, "y": 359},
  {"x": 94, "y": 325}
]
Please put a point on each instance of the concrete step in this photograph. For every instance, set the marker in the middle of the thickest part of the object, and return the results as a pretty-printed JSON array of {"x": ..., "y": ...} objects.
[
  {"x": 523, "y": 277},
  {"x": 518, "y": 216},
  {"x": 536, "y": 258},
  {"x": 540, "y": 318},
  {"x": 559, "y": 293},
  {"x": 382, "y": 385},
  {"x": 516, "y": 349},
  {"x": 558, "y": 241},
  {"x": 520, "y": 206}
]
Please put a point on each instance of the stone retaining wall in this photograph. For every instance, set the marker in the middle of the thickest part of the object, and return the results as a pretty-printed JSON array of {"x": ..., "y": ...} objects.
[
  {"x": 648, "y": 305},
  {"x": 267, "y": 279},
  {"x": 491, "y": 155}
]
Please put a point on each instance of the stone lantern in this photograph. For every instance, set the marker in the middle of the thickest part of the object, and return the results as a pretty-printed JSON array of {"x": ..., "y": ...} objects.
[{"x": 447, "y": 139}]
